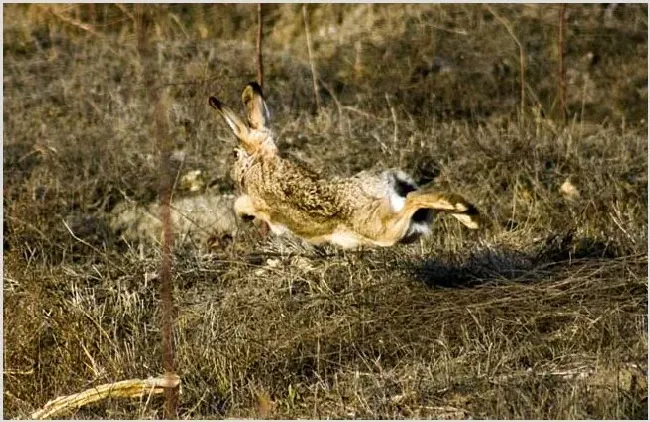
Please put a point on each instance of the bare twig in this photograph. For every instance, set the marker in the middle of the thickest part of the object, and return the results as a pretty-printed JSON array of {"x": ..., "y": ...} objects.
[
  {"x": 519, "y": 375},
  {"x": 83, "y": 242},
  {"x": 561, "y": 68},
  {"x": 126, "y": 11},
  {"x": 76, "y": 23},
  {"x": 522, "y": 58},
  {"x": 260, "y": 65},
  {"x": 394, "y": 116},
  {"x": 160, "y": 132},
  {"x": 166, "y": 291},
  {"x": 174, "y": 17},
  {"x": 29, "y": 371},
  {"x": 449, "y": 30},
  {"x": 314, "y": 75},
  {"x": 365, "y": 114},
  {"x": 336, "y": 101}
]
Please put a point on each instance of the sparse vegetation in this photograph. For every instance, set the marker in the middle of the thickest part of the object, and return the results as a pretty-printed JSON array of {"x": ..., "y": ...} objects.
[{"x": 541, "y": 314}]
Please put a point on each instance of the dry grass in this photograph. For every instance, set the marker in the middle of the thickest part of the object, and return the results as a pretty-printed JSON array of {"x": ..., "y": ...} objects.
[{"x": 542, "y": 314}]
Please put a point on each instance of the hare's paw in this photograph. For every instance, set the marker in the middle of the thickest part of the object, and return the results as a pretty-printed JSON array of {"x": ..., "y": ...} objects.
[
  {"x": 244, "y": 207},
  {"x": 246, "y": 218},
  {"x": 262, "y": 227}
]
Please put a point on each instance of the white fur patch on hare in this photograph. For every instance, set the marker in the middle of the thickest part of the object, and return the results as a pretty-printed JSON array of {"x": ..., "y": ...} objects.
[
  {"x": 345, "y": 239},
  {"x": 397, "y": 202}
]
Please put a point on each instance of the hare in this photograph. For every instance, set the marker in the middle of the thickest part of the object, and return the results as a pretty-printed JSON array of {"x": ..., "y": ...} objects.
[{"x": 367, "y": 209}]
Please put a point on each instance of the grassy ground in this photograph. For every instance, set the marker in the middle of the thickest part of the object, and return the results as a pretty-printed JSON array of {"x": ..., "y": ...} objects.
[{"x": 541, "y": 314}]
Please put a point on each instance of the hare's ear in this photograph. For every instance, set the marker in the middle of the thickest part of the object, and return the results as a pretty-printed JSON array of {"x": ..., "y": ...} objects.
[
  {"x": 257, "y": 112},
  {"x": 238, "y": 127}
]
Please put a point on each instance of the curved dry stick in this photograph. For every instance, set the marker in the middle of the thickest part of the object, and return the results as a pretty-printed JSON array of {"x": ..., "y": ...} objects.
[{"x": 134, "y": 388}]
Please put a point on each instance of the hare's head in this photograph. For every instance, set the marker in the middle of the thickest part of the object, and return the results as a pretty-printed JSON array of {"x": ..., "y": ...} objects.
[{"x": 254, "y": 134}]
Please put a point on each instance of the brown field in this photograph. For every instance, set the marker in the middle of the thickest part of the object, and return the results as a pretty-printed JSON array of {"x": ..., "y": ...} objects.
[{"x": 541, "y": 314}]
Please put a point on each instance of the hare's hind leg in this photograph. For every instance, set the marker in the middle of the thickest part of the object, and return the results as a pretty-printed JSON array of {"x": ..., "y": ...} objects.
[{"x": 452, "y": 203}]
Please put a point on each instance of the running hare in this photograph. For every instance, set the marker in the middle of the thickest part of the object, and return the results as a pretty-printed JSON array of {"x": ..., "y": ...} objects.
[{"x": 366, "y": 209}]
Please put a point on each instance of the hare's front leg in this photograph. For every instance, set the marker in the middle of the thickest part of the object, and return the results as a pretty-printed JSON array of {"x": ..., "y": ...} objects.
[
  {"x": 245, "y": 210},
  {"x": 244, "y": 207}
]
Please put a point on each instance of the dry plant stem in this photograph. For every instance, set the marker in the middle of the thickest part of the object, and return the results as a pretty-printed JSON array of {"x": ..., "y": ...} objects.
[
  {"x": 160, "y": 132},
  {"x": 83, "y": 242},
  {"x": 134, "y": 388},
  {"x": 522, "y": 62},
  {"x": 336, "y": 101},
  {"x": 166, "y": 292},
  {"x": 561, "y": 68},
  {"x": 73, "y": 22},
  {"x": 394, "y": 116},
  {"x": 126, "y": 11},
  {"x": 314, "y": 75},
  {"x": 92, "y": 13},
  {"x": 260, "y": 65}
]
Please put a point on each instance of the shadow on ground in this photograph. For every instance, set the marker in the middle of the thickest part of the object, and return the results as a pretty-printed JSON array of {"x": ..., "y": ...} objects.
[{"x": 498, "y": 264}]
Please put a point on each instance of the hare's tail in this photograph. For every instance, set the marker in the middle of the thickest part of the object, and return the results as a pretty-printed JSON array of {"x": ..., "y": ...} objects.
[{"x": 452, "y": 203}]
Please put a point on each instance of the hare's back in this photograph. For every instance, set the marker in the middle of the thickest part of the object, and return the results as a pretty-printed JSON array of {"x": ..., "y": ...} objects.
[
  {"x": 292, "y": 188},
  {"x": 391, "y": 186}
]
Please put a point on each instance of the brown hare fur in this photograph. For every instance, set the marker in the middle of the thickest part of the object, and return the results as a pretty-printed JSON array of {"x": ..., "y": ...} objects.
[{"x": 367, "y": 209}]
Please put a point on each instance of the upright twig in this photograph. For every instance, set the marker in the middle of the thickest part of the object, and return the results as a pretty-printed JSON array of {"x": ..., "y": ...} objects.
[
  {"x": 162, "y": 141},
  {"x": 73, "y": 22},
  {"x": 161, "y": 129},
  {"x": 394, "y": 116},
  {"x": 561, "y": 68},
  {"x": 93, "y": 13},
  {"x": 260, "y": 65},
  {"x": 314, "y": 75},
  {"x": 126, "y": 11},
  {"x": 522, "y": 59}
]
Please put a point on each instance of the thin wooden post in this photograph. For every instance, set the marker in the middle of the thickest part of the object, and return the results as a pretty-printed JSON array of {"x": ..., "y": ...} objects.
[
  {"x": 160, "y": 132},
  {"x": 314, "y": 75},
  {"x": 260, "y": 65},
  {"x": 561, "y": 67}
]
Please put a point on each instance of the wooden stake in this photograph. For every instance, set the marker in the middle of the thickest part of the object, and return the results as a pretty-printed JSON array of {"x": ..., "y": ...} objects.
[
  {"x": 160, "y": 132},
  {"x": 260, "y": 65},
  {"x": 561, "y": 69}
]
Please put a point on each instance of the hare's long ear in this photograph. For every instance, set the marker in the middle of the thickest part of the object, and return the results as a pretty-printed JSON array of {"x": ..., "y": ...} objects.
[
  {"x": 257, "y": 112},
  {"x": 238, "y": 127}
]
